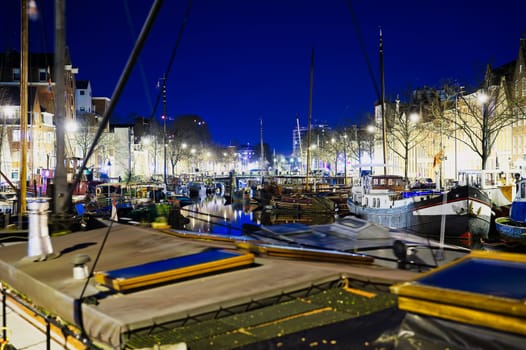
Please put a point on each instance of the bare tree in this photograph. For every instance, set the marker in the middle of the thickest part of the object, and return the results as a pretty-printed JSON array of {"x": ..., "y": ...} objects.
[
  {"x": 405, "y": 130},
  {"x": 84, "y": 136},
  {"x": 178, "y": 149},
  {"x": 476, "y": 119},
  {"x": 185, "y": 133}
]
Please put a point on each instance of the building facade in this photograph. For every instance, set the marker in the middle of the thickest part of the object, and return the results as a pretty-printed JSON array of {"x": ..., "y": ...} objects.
[{"x": 40, "y": 135}]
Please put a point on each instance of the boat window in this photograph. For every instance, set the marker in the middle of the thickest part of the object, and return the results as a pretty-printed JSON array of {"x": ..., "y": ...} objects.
[{"x": 490, "y": 180}]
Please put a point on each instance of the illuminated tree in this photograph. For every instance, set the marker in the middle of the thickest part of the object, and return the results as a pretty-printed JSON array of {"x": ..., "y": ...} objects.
[
  {"x": 405, "y": 132},
  {"x": 476, "y": 119}
]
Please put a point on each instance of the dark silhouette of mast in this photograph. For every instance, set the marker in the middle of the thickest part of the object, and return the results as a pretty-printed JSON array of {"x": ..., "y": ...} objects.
[
  {"x": 60, "y": 196},
  {"x": 382, "y": 102},
  {"x": 23, "y": 106},
  {"x": 309, "y": 119},
  {"x": 261, "y": 148}
]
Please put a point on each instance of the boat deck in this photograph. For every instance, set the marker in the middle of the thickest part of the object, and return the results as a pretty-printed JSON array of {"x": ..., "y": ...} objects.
[{"x": 111, "y": 315}]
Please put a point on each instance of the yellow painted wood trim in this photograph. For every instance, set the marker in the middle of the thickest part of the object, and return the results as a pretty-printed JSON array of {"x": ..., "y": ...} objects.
[
  {"x": 120, "y": 284},
  {"x": 464, "y": 315},
  {"x": 440, "y": 296}
]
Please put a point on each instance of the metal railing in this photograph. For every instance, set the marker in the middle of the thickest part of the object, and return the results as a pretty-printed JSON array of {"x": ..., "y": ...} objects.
[{"x": 26, "y": 310}]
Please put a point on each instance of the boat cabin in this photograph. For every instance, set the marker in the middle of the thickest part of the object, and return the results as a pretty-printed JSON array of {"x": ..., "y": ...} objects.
[
  {"x": 497, "y": 184},
  {"x": 390, "y": 183},
  {"x": 486, "y": 179}
]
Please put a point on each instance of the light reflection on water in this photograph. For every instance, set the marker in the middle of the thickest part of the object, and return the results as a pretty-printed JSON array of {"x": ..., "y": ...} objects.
[{"x": 211, "y": 215}]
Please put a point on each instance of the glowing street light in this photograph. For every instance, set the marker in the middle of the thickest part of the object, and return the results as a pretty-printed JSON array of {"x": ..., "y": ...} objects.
[
  {"x": 414, "y": 117},
  {"x": 72, "y": 126},
  {"x": 482, "y": 98}
]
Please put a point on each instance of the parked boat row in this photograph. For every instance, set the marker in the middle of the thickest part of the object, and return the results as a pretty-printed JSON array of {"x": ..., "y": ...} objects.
[{"x": 461, "y": 214}]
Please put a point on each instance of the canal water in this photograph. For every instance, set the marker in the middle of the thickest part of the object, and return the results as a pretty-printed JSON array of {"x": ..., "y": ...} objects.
[{"x": 212, "y": 215}]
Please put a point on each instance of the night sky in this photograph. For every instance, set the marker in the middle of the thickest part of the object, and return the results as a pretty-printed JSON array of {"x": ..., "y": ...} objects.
[{"x": 242, "y": 61}]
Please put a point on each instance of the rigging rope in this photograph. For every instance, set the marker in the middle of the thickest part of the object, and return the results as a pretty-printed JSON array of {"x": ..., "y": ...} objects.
[
  {"x": 116, "y": 94},
  {"x": 141, "y": 67},
  {"x": 172, "y": 57},
  {"x": 364, "y": 51}
]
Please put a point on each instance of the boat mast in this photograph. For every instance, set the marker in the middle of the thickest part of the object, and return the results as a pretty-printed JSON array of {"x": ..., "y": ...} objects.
[
  {"x": 299, "y": 134},
  {"x": 382, "y": 102},
  {"x": 309, "y": 120},
  {"x": 60, "y": 195},
  {"x": 24, "y": 51},
  {"x": 262, "y": 157}
]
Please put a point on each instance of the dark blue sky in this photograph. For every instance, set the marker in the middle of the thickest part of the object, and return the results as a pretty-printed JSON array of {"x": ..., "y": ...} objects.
[{"x": 240, "y": 61}]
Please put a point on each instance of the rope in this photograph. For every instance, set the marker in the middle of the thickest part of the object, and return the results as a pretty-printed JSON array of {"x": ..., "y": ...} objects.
[
  {"x": 364, "y": 51},
  {"x": 156, "y": 7},
  {"x": 139, "y": 44},
  {"x": 172, "y": 57},
  {"x": 141, "y": 67}
]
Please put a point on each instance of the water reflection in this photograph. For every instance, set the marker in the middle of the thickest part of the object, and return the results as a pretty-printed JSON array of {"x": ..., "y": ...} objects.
[{"x": 212, "y": 215}]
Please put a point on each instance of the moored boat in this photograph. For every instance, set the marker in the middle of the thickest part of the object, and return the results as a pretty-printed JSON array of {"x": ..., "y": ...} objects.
[
  {"x": 513, "y": 227},
  {"x": 464, "y": 304},
  {"x": 393, "y": 248},
  {"x": 458, "y": 213},
  {"x": 498, "y": 185}
]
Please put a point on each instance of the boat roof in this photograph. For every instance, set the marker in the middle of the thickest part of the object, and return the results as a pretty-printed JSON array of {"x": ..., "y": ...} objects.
[{"x": 115, "y": 316}]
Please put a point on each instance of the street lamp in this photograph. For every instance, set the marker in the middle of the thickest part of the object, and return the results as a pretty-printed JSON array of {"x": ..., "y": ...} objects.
[
  {"x": 414, "y": 117},
  {"x": 192, "y": 152},
  {"x": 345, "y": 159},
  {"x": 333, "y": 142},
  {"x": 483, "y": 98},
  {"x": 164, "y": 116},
  {"x": 72, "y": 126},
  {"x": 460, "y": 93},
  {"x": 164, "y": 145},
  {"x": 371, "y": 129}
]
